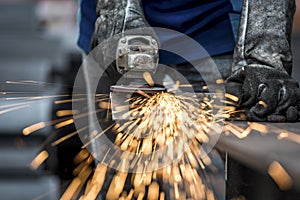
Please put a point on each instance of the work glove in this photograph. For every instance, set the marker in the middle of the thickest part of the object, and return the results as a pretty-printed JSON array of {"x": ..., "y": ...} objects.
[
  {"x": 265, "y": 94},
  {"x": 262, "y": 62},
  {"x": 117, "y": 17}
]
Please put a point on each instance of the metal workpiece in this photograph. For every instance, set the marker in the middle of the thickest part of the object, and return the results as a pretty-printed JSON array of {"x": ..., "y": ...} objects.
[
  {"x": 136, "y": 88},
  {"x": 267, "y": 147}
]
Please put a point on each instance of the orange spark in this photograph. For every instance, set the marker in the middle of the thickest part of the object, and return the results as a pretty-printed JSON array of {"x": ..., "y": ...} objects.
[
  {"x": 280, "y": 175},
  {"x": 148, "y": 78},
  {"x": 39, "y": 159},
  {"x": 64, "y": 123},
  {"x": 34, "y": 127}
]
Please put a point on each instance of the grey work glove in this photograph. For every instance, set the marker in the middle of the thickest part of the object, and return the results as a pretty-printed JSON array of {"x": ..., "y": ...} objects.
[
  {"x": 265, "y": 94},
  {"x": 262, "y": 62},
  {"x": 118, "y": 16}
]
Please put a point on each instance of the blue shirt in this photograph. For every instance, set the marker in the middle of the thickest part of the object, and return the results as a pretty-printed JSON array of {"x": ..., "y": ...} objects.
[
  {"x": 86, "y": 23},
  {"x": 208, "y": 22},
  {"x": 212, "y": 23}
]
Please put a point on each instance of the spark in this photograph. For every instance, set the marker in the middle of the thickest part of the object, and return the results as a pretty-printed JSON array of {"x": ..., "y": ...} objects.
[
  {"x": 64, "y": 123},
  {"x": 97, "y": 183},
  {"x": 34, "y": 127},
  {"x": 262, "y": 103},
  {"x": 280, "y": 175},
  {"x": 83, "y": 165},
  {"x": 162, "y": 196},
  {"x": 130, "y": 195},
  {"x": 220, "y": 81},
  {"x": 143, "y": 93},
  {"x": 62, "y": 113},
  {"x": 81, "y": 156},
  {"x": 71, "y": 190},
  {"x": 263, "y": 129},
  {"x": 228, "y": 102},
  {"x": 76, "y": 185},
  {"x": 179, "y": 122},
  {"x": 157, "y": 116},
  {"x": 238, "y": 131},
  {"x": 205, "y": 87},
  {"x": 187, "y": 85},
  {"x": 155, "y": 121},
  {"x": 64, "y": 138},
  {"x": 59, "y": 123},
  {"x": 291, "y": 136},
  {"x": 116, "y": 185},
  {"x": 232, "y": 97},
  {"x": 284, "y": 134},
  {"x": 39, "y": 159},
  {"x": 105, "y": 105},
  {"x": 141, "y": 196},
  {"x": 98, "y": 135},
  {"x": 148, "y": 78}
]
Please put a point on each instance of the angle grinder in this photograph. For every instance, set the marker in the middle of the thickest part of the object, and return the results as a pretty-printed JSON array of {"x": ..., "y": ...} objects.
[{"x": 135, "y": 56}]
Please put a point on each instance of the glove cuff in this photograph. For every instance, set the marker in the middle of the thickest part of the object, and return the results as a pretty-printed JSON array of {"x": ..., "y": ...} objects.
[
  {"x": 118, "y": 16},
  {"x": 264, "y": 35}
]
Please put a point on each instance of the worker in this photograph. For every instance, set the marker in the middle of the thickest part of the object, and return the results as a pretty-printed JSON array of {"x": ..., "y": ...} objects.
[
  {"x": 249, "y": 40},
  {"x": 262, "y": 59}
]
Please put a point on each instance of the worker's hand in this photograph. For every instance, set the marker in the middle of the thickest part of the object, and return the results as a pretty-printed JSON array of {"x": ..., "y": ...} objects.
[
  {"x": 265, "y": 94},
  {"x": 115, "y": 20}
]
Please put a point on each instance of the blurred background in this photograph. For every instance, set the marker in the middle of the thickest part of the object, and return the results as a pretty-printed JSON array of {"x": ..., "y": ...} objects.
[
  {"x": 38, "y": 62},
  {"x": 39, "y": 58}
]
